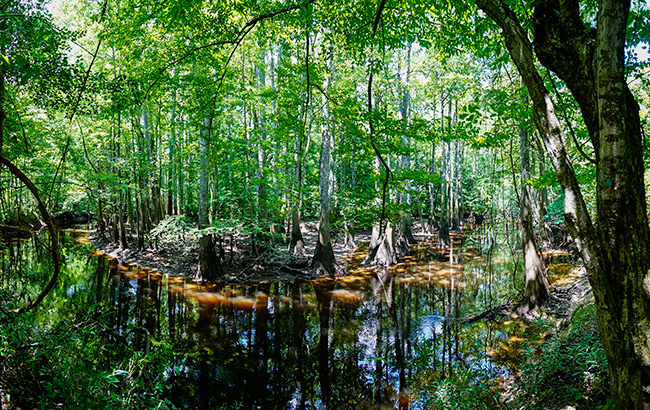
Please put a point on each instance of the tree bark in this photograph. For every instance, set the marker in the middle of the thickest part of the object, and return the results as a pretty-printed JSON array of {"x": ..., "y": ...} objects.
[
  {"x": 536, "y": 289},
  {"x": 2, "y": 106},
  {"x": 209, "y": 261},
  {"x": 203, "y": 174}
]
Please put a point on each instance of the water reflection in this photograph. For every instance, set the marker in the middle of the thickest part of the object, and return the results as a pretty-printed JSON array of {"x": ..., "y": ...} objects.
[{"x": 350, "y": 342}]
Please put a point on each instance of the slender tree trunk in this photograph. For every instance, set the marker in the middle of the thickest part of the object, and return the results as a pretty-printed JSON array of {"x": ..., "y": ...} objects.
[
  {"x": 262, "y": 191},
  {"x": 324, "y": 298},
  {"x": 173, "y": 162},
  {"x": 2, "y": 105},
  {"x": 323, "y": 261},
  {"x": 432, "y": 189},
  {"x": 203, "y": 174},
  {"x": 456, "y": 187},
  {"x": 121, "y": 208},
  {"x": 536, "y": 289},
  {"x": 209, "y": 262},
  {"x": 404, "y": 235},
  {"x": 443, "y": 231},
  {"x": 299, "y": 344}
]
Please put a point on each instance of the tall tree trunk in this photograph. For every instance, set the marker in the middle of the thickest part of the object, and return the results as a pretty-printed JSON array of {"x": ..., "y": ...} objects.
[
  {"x": 173, "y": 162},
  {"x": 536, "y": 289},
  {"x": 262, "y": 190},
  {"x": 615, "y": 252},
  {"x": 541, "y": 194},
  {"x": 121, "y": 208},
  {"x": 443, "y": 231},
  {"x": 456, "y": 185},
  {"x": 404, "y": 235},
  {"x": 323, "y": 261},
  {"x": 2, "y": 105},
  {"x": 432, "y": 189},
  {"x": 203, "y": 174},
  {"x": 209, "y": 262}
]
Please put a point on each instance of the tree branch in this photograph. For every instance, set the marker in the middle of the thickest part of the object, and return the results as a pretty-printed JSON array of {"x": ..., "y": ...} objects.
[
  {"x": 236, "y": 41},
  {"x": 54, "y": 250}
]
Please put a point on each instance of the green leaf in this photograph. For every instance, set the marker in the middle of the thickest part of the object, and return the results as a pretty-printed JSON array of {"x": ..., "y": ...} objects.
[{"x": 4, "y": 60}]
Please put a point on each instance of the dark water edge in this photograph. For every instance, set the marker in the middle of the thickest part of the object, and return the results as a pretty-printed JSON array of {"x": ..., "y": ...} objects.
[{"x": 363, "y": 340}]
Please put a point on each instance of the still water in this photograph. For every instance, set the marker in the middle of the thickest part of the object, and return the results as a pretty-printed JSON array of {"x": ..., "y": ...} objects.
[{"x": 368, "y": 339}]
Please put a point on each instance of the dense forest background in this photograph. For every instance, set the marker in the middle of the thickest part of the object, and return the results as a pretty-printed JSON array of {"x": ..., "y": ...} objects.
[{"x": 247, "y": 119}]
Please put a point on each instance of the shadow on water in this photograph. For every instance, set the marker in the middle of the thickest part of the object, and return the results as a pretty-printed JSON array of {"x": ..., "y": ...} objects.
[{"x": 348, "y": 342}]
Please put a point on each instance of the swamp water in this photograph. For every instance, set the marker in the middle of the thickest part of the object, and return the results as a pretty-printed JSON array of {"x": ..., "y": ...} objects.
[{"x": 369, "y": 339}]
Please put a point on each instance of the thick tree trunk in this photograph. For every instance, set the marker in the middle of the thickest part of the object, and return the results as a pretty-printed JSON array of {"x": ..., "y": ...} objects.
[
  {"x": 622, "y": 285},
  {"x": 382, "y": 247},
  {"x": 209, "y": 262},
  {"x": 615, "y": 253},
  {"x": 297, "y": 243}
]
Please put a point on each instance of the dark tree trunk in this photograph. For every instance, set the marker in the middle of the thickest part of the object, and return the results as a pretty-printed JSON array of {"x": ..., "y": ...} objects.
[
  {"x": 443, "y": 234},
  {"x": 2, "y": 106},
  {"x": 324, "y": 297},
  {"x": 209, "y": 262},
  {"x": 297, "y": 242}
]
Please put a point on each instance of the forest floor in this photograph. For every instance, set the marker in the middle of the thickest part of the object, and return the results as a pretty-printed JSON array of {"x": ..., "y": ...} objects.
[
  {"x": 568, "y": 289},
  {"x": 240, "y": 265}
]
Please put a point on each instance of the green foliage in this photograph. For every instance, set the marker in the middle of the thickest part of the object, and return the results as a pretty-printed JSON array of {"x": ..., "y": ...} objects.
[
  {"x": 79, "y": 364},
  {"x": 568, "y": 369},
  {"x": 464, "y": 389},
  {"x": 171, "y": 229}
]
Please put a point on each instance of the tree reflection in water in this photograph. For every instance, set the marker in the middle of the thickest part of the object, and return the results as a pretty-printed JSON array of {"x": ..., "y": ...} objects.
[{"x": 345, "y": 342}]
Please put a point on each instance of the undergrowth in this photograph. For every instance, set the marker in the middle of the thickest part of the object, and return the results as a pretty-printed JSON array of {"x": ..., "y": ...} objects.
[
  {"x": 80, "y": 364},
  {"x": 569, "y": 369}
]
